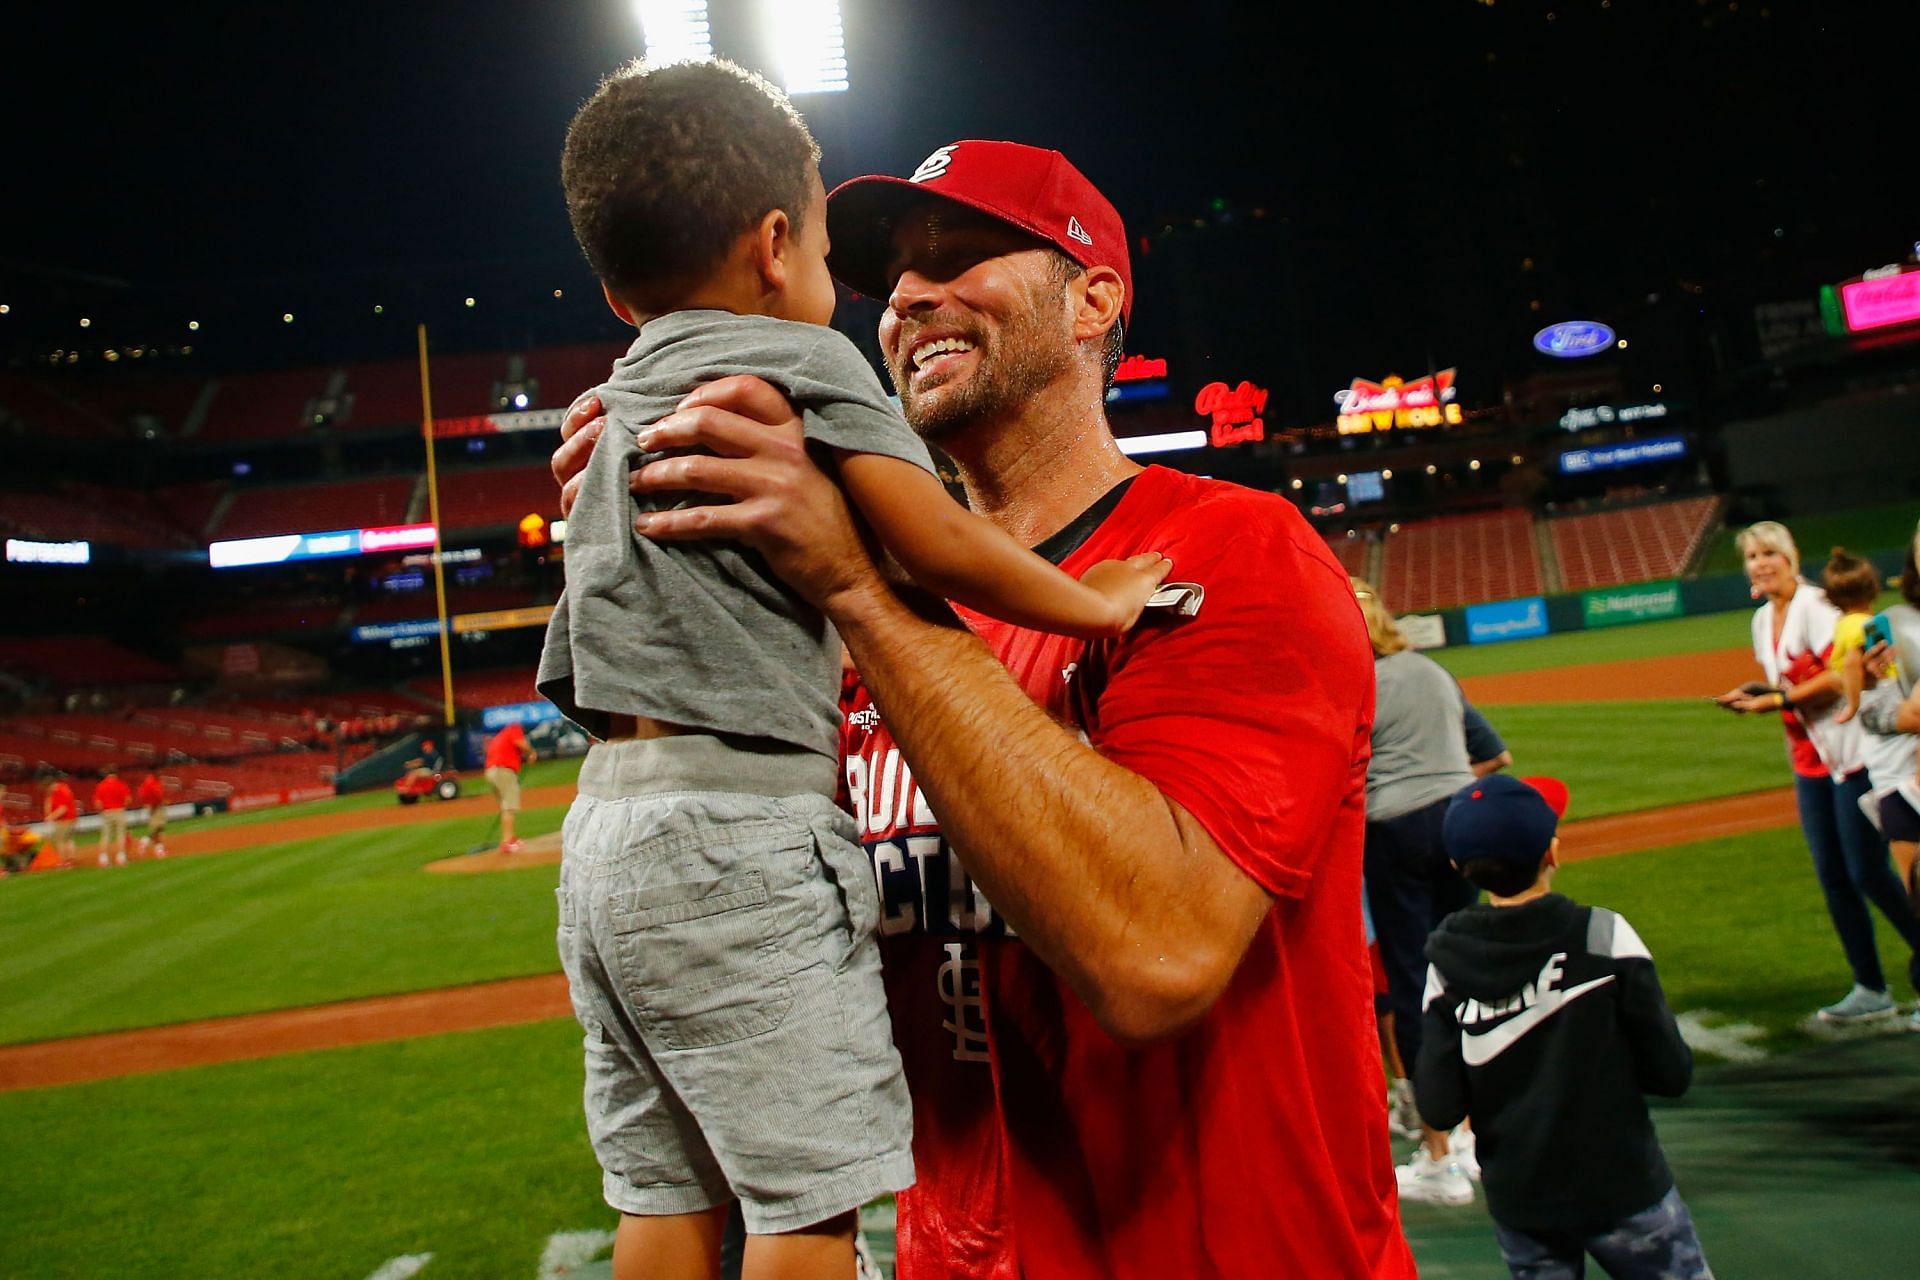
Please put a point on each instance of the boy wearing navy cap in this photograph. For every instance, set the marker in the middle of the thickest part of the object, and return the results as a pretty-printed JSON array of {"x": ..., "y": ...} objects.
[{"x": 1545, "y": 1023}]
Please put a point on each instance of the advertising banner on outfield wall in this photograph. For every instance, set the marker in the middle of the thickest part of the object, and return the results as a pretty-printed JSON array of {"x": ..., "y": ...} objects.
[
  {"x": 1423, "y": 630},
  {"x": 1506, "y": 620},
  {"x": 1642, "y": 602}
]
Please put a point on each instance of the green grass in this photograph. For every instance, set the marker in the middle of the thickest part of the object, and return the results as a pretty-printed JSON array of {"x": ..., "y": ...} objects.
[
  {"x": 302, "y": 923},
  {"x": 1616, "y": 757},
  {"x": 1737, "y": 926},
  {"x": 541, "y": 773},
  {"x": 471, "y": 1146},
  {"x": 316, "y": 1165},
  {"x": 1701, "y": 633},
  {"x": 1868, "y": 529},
  {"x": 352, "y": 915}
]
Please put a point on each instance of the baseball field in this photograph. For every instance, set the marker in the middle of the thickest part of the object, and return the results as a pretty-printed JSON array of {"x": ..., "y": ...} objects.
[{"x": 292, "y": 1050}]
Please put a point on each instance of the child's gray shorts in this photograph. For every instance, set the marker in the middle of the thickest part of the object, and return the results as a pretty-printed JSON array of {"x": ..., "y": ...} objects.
[{"x": 719, "y": 950}]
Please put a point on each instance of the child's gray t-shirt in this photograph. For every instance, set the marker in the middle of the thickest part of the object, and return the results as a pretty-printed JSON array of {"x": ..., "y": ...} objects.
[{"x": 704, "y": 634}]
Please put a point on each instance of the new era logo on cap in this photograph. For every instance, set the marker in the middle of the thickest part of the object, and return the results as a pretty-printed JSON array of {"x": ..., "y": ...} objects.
[{"x": 1031, "y": 188}]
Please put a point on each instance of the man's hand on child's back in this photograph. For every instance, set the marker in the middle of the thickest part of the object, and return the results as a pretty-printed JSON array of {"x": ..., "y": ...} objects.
[
  {"x": 584, "y": 422},
  {"x": 1127, "y": 584}
]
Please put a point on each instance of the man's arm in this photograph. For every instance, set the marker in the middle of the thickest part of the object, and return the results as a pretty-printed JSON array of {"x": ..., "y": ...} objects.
[{"x": 1118, "y": 889}]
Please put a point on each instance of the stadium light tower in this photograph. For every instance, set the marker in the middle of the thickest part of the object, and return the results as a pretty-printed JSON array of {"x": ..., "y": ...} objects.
[
  {"x": 808, "y": 44},
  {"x": 675, "y": 30}
]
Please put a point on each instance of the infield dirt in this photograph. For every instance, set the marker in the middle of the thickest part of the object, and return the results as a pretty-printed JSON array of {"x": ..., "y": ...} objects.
[{"x": 434, "y": 1012}]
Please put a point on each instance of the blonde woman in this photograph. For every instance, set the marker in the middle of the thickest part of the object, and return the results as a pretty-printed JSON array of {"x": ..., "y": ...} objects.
[
  {"x": 1792, "y": 638},
  {"x": 1420, "y": 759}
]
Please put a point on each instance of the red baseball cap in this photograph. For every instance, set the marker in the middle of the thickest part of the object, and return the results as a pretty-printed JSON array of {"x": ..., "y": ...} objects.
[{"x": 1036, "y": 190}]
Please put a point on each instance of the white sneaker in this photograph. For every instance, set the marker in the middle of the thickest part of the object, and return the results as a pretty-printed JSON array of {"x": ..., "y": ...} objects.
[
  {"x": 120, "y": 858},
  {"x": 103, "y": 858},
  {"x": 1424, "y": 1178},
  {"x": 1403, "y": 1116},
  {"x": 1861, "y": 1004},
  {"x": 1464, "y": 1150}
]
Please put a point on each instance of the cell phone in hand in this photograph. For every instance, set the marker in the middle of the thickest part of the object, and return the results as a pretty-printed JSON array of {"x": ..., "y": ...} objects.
[{"x": 1878, "y": 632}]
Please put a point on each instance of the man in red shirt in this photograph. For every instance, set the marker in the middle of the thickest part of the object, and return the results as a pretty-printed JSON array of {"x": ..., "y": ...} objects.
[
  {"x": 1125, "y": 960},
  {"x": 110, "y": 797},
  {"x": 62, "y": 809},
  {"x": 507, "y": 751},
  {"x": 152, "y": 796}
]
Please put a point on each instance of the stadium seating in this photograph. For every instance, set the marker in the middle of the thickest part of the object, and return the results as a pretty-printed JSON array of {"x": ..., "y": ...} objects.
[
  {"x": 76, "y": 514},
  {"x": 564, "y": 372},
  {"x": 386, "y": 395},
  {"x": 495, "y": 496},
  {"x": 67, "y": 661},
  {"x": 191, "y": 506},
  {"x": 1352, "y": 553},
  {"x": 1456, "y": 560},
  {"x": 318, "y": 508},
  {"x": 311, "y": 615},
  {"x": 1631, "y": 545},
  {"x": 473, "y": 690},
  {"x": 54, "y": 411},
  {"x": 262, "y": 406}
]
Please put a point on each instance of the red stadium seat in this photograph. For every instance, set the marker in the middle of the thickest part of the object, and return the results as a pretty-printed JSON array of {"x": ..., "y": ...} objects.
[
  {"x": 1457, "y": 560},
  {"x": 1633, "y": 544}
]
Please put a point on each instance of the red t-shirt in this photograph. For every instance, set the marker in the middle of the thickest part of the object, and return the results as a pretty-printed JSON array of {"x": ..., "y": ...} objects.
[
  {"x": 503, "y": 749},
  {"x": 111, "y": 793},
  {"x": 62, "y": 806},
  {"x": 152, "y": 792},
  {"x": 1256, "y": 1143}
]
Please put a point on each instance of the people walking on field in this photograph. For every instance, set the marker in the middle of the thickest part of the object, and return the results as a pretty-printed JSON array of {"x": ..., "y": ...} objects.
[
  {"x": 110, "y": 797},
  {"x": 1793, "y": 639},
  {"x": 62, "y": 810},
  {"x": 152, "y": 796},
  {"x": 1421, "y": 758},
  {"x": 508, "y": 751}
]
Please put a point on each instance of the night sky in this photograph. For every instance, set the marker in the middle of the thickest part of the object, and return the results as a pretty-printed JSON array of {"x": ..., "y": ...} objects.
[{"x": 1377, "y": 186}]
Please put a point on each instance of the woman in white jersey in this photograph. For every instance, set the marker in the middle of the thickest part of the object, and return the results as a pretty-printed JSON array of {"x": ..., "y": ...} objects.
[{"x": 1792, "y": 638}]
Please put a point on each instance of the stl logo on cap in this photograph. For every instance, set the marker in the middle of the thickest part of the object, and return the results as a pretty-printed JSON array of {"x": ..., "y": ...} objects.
[{"x": 936, "y": 164}]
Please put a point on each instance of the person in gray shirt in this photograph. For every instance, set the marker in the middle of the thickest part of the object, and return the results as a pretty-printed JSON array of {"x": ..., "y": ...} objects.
[
  {"x": 1428, "y": 743},
  {"x": 716, "y": 916}
]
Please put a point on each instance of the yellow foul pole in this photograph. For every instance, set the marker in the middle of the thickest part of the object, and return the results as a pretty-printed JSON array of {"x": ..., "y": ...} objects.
[{"x": 433, "y": 514}]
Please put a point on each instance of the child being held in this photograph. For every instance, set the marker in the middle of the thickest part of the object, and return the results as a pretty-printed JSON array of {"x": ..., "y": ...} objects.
[
  {"x": 1545, "y": 1023},
  {"x": 1893, "y": 800},
  {"x": 717, "y": 917}
]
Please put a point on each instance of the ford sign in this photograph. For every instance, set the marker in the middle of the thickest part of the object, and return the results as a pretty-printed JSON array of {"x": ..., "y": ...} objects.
[{"x": 1572, "y": 338}]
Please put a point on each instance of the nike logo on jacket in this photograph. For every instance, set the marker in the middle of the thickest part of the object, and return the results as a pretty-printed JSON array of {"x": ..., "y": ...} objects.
[
  {"x": 1545, "y": 1024},
  {"x": 1535, "y": 1002}
]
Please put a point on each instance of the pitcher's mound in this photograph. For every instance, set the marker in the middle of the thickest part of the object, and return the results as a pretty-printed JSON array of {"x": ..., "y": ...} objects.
[{"x": 535, "y": 851}]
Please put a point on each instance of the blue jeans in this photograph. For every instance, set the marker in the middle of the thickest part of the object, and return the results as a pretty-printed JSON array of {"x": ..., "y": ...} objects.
[
  {"x": 1658, "y": 1243},
  {"x": 1851, "y": 861}
]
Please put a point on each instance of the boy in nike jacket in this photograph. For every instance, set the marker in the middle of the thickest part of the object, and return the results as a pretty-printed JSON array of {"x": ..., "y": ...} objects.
[{"x": 1545, "y": 1023}]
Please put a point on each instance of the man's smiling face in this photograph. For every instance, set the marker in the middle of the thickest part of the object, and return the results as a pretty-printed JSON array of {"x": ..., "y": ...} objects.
[{"x": 979, "y": 318}]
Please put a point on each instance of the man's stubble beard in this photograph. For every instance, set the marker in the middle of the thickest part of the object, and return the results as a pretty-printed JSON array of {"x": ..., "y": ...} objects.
[{"x": 1021, "y": 363}]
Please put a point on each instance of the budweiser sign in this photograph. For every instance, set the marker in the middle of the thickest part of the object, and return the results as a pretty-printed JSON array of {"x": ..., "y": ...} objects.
[
  {"x": 1235, "y": 412},
  {"x": 1395, "y": 403}
]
